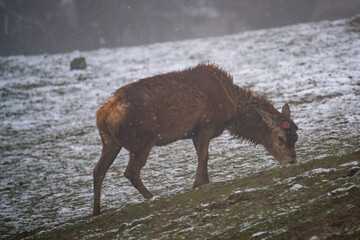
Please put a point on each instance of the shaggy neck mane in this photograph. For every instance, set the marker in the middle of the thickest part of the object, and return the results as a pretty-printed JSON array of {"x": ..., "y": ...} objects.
[{"x": 247, "y": 123}]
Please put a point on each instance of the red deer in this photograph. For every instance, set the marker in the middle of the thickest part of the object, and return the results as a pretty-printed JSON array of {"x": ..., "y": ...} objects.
[{"x": 197, "y": 103}]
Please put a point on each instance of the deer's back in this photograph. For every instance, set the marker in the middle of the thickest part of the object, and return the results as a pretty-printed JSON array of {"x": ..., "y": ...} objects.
[{"x": 168, "y": 107}]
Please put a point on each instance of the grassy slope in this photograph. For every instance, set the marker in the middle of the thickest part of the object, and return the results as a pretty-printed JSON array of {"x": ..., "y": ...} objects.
[{"x": 291, "y": 202}]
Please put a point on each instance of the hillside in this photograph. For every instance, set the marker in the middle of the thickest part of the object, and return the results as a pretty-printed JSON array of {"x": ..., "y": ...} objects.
[
  {"x": 313, "y": 200},
  {"x": 49, "y": 142}
]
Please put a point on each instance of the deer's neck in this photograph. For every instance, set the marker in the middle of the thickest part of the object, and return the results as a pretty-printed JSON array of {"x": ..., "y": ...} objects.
[{"x": 247, "y": 124}]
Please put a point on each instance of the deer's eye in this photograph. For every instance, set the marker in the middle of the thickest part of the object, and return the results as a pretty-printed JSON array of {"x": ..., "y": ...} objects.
[{"x": 281, "y": 140}]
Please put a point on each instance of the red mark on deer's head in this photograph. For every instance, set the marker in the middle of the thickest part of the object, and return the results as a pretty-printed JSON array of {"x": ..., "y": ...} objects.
[{"x": 285, "y": 125}]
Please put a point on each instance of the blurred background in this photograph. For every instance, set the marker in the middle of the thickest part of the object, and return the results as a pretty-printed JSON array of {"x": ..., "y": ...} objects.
[{"x": 56, "y": 26}]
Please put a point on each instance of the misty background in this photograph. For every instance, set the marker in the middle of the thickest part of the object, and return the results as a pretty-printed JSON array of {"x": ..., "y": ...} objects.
[{"x": 43, "y": 26}]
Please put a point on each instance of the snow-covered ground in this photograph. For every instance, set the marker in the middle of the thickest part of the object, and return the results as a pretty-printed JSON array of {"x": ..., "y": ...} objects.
[{"x": 49, "y": 143}]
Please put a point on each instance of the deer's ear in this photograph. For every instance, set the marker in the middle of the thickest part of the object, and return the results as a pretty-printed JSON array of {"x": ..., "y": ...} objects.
[
  {"x": 266, "y": 116},
  {"x": 286, "y": 110}
]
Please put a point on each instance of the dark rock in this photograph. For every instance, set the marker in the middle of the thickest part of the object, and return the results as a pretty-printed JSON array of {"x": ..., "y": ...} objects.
[{"x": 78, "y": 63}]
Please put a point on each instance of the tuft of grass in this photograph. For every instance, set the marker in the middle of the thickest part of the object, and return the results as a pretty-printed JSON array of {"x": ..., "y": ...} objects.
[{"x": 317, "y": 198}]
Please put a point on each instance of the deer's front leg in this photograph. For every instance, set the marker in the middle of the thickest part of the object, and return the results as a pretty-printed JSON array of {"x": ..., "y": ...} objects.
[{"x": 201, "y": 144}]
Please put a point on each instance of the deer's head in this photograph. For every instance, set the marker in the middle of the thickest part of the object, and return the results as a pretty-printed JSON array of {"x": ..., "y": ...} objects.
[{"x": 280, "y": 142}]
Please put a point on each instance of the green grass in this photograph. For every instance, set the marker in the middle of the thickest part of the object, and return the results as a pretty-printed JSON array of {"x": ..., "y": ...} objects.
[{"x": 262, "y": 205}]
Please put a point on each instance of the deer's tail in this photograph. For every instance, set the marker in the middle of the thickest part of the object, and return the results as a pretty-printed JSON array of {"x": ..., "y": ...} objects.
[{"x": 109, "y": 118}]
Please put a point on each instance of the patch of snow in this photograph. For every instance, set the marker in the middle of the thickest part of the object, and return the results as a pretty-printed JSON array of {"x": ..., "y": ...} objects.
[
  {"x": 353, "y": 163},
  {"x": 296, "y": 187},
  {"x": 258, "y": 234},
  {"x": 248, "y": 190},
  {"x": 343, "y": 189},
  {"x": 245, "y": 190},
  {"x": 189, "y": 229},
  {"x": 65, "y": 211},
  {"x": 204, "y": 205},
  {"x": 210, "y": 215},
  {"x": 319, "y": 171},
  {"x": 286, "y": 181}
]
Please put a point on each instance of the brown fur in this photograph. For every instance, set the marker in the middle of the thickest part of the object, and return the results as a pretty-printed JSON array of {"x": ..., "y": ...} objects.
[{"x": 197, "y": 103}]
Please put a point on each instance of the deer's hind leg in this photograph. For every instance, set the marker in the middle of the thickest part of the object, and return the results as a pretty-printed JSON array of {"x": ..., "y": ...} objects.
[
  {"x": 109, "y": 152},
  {"x": 136, "y": 163}
]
